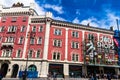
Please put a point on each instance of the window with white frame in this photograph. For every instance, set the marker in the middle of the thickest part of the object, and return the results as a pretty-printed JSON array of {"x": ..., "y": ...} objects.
[
  {"x": 24, "y": 19},
  {"x": 14, "y": 19},
  {"x": 30, "y": 54},
  {"x": 57, "y": 32},
  {"x": 0, "y": 38},
  {"x": 38, "y": 54},
  {"x": 12, "y": 29},
  {"x": 3, "y": 19},
  {"x": 57, "y": 43},
  {"x": 32, "y": 40},
  {"x": 56, "y": 55},
  {"x": 39, "y": 40},
  {"x": 1, "y": 28},
  {"x": 34, "y": 29},
  {"x": 18, "y": 53},
  {"x": 91, "y": 37},
  {"x": 22, "y": 29},
  {"x": 75, "y": 34},
  {"x": 10, "y": 39},
  {"x": 41, "y": 28},
  {"x": 21, "y": 39},
  {"x": 75, "y": 57},
  {"x": 75, "y": 45},
  {"x": 6, "y": 53}
]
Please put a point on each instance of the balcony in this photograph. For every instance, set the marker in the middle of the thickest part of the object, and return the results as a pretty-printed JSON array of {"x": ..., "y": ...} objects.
[{"x": 7, "y": 44}]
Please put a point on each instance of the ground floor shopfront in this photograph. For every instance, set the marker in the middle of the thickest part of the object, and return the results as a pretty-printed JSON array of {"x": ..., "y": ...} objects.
[{"x": 61, "y": 69}]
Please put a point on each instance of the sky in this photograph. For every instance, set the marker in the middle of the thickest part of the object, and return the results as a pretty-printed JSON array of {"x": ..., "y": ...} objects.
[{"x": 98, "y": 13}]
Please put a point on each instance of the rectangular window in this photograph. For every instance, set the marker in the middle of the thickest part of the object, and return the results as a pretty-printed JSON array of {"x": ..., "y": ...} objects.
[
  {"x": 21, "y": 40},
  {"x": 34, "y": 29},
  {"x": 10, "y": 39},
  {"x": 22, "y": 29},
  {"x": 38, "y": 54},
  {"x": 39, "y": 40},
  {"x": 14, "y": 19},
  {"x": 75, "y": 45},
  {"x": 32, "y": 40},
  {"x": 18, "y": 53},
  {"x": 12, "y": 29},
  {"x": 40, "y": 28},
  {"x": 3, "y": 19},
  {"x": 1, "y": 28},
  {"x": 7, "y": 53},
  {"x": 75, "y": 34},
  {"x": 57, "y": 43},
  {"x": 75, "y": 57},
  {"x": 57, "y": 32},
  {"x": 56, "y": 56},
  {"x": 30, "y": 54},
  {"x": 24, "y": 19}
]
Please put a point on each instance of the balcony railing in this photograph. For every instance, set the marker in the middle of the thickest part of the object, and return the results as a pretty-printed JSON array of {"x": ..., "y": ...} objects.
[{"x": 7, "y": 44}]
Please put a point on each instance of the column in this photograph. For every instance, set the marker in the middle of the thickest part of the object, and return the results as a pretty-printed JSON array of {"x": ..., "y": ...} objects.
[
  {"x": 66, "y": 70},
  {"x": 44, "y": 65},
  {"x": 84, "y": 70},
  {"x": 117, "y": 72},
  {"x": 26, "y": 38},
  {"x": 44, "y": 69},
  {"x": 66, "y": 45}
]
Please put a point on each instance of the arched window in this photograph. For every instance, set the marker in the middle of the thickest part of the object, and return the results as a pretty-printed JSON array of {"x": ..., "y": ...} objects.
[
  {"x": 56, "y": 55},
  {"x": 30, "y": 54}
]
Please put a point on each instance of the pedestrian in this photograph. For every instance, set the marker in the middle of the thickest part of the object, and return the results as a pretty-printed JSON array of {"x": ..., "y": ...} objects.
[
  {"x": 108, "y": 76},
  {"x": 1, "y": 76}
]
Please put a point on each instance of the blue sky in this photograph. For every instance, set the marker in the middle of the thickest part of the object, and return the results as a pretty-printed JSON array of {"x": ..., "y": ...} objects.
[{"x": 99, "y": 13}]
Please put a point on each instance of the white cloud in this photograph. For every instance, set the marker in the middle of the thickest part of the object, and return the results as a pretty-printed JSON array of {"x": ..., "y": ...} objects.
[
  {"x": 59, "y": 18},
  {"x": 55, "y": 8},
  {"x": 106, "y": 22},
  {"x": 76, "y": 20},
  {"x": 8, "y": 3}
]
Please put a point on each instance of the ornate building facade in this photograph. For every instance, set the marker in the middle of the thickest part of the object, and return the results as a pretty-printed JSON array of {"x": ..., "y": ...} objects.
[{"x": 41, "y": 45}]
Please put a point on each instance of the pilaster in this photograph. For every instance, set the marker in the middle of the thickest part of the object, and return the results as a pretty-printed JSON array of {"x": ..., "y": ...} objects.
[{"x": 66, "y": 70}]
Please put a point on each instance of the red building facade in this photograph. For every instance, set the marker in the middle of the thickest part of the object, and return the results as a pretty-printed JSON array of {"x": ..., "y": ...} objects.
[{"x": 54, "y": 46}]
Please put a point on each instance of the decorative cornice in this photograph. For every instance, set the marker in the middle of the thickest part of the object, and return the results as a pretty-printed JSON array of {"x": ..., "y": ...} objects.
[{"x": 79, "y": 26}]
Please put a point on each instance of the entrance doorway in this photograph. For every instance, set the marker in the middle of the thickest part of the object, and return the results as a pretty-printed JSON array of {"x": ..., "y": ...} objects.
[
  {"x": 4, "y": 69},
  {"x": 14, "y": 70}
]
